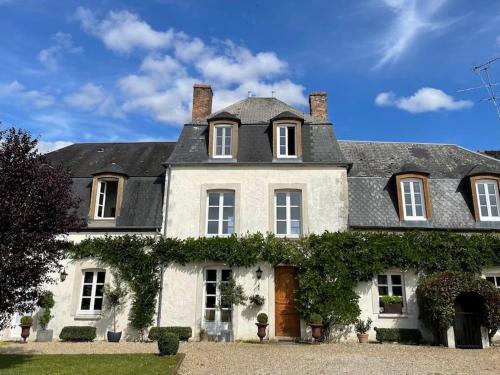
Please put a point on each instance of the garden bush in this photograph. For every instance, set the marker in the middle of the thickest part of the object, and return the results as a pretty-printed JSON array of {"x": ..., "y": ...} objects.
[
  {"x": 26, "y": 320},
  {"x": 78, "y": 334},
  {"x": 168, "y": 343},
  {"x": 315, "y": 319},
  {"x": 403, "y": 335},
  {"x": 183, "y": 333}
]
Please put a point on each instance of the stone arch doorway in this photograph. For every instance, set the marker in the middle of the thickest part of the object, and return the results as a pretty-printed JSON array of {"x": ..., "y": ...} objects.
[{"x": 467, "y": 323}]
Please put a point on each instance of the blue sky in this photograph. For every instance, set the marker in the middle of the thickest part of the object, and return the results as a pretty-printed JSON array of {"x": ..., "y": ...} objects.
[{"x": 88, "y": 71}]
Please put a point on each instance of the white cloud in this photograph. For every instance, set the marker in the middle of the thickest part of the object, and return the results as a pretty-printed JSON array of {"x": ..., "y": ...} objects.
[
  {"x": 45, "y": 147},
  {"x": 426, "y": 99},
  {"x": 123, "y": 31},
  {"x": 412, "y": 19},
  {"x": 15, "y": 90},
  {"x": 61, "y": 42},
  {"x": 91, "y": 97}
]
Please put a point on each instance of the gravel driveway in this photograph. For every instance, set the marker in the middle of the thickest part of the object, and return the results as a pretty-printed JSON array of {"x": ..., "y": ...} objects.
[{"x": 345, "y": 358}]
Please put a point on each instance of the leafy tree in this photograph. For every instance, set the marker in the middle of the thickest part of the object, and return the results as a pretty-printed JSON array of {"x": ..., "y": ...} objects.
[{"x": 36, "y": 207}]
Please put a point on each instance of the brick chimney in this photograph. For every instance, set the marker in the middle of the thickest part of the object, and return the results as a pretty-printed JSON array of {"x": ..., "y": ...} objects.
[
  {"x": 202, "y": 101},
  {"x": 318, "y": 105}
]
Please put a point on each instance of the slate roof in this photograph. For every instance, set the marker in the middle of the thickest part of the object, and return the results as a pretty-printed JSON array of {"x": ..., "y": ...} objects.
[
  {"x": 372, "y": 191},
  {"x": 493, "y": 153},
  {"x": 319, "y": 144},
  {"x": 141, "y": 162}
]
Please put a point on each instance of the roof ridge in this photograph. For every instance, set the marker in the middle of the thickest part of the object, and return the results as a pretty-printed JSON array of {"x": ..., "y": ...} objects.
[
  {"x": 400, "y": 142},
  {"x": 478, "y": 153},
  {"x": 118, "y": 143}
]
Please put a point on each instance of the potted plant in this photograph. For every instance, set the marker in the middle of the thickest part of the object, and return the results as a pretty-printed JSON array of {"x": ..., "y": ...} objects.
[
  {"x": 26, "y": 323},
  {"x": 257, "y": 300},
  {"x": 316, "y": 324},
  {"x": 46, "y": 303},
  {"x": 361, "y": 327},
  {"x": 392, "y": 304},
  {"x": 114, "y": 300},
  {"x": 262, "y": 323}
]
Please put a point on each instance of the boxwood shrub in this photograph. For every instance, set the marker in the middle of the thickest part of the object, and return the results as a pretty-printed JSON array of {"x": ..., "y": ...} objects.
[
  {"x": 183, "y": 333},
  {"x": 168, "y": 343},
  {"x": 403, "y": 335},
  {"x": 77, "y": 334}
]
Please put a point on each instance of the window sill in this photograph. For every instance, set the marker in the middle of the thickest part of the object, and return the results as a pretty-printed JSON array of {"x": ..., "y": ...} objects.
[
  {"x": 393, "y": 316},
  {"x": 88, "y": 317}
]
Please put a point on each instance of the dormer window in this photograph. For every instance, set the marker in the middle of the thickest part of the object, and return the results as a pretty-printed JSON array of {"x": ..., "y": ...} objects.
[
  {"x": 287, "y": 141},
  {"x": 487, "y": 199},
  {"x": 413, "y": 197},
  {"x": 223, "y": 140},
  {"x": 106, "y": 199}
]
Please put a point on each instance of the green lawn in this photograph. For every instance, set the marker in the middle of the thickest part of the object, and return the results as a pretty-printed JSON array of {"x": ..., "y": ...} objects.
[{"x": 88, "y": 364}]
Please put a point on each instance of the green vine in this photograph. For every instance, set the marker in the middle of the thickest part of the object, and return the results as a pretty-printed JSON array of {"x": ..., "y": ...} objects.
[{"x": 329, "y": 265}]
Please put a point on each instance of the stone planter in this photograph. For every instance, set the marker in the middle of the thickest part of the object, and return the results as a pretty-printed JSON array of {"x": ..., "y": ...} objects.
[
  {"x": 114, "y": 336},
  {"x": 44, "y": 335},
  {"x": 25, "y": 332},
  {"x": 363, "y": 338},
  {"x": 316, "y": 331},
  {"x": 261, "y": 331},
  {"x": 393, "y": 308}
]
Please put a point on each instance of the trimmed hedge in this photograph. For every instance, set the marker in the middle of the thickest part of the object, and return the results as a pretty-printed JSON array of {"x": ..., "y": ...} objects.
[
  {"x": 183, "y": 333},
  {"x": 403, "y": 335},
  {"x": 77, "y": 334},
  {"x": 168, "y": 343}
]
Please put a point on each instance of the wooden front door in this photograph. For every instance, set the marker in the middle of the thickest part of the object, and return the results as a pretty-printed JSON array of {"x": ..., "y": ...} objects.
[{"x": 286, "y": 317}]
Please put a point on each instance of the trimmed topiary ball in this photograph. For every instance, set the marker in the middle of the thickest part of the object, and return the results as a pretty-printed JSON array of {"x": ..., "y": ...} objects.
[
  {"x": 262, "y": 318},
  {"x": 168, "y": 344}
]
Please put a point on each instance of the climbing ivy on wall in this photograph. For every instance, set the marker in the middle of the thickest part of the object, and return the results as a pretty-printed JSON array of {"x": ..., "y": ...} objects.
[{"x": 329, "y": 265}]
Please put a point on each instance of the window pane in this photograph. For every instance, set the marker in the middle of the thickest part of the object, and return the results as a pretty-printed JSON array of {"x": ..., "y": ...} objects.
[
  {"x": 89, "y": 276},
  {"x": 282, "y": 131},
  {"x": 85, "y": 304},
  {"x": 209, "y": 315},
  {"x": 228, "y": 213},
  {"x": 295, "y": 198},
  {"x": 491, "y": 188},
  {"x": 281, "y": 213},
  {"x": 103, "y": 187},
  {"x": 295, "y": 213},
  {"x": 210, "y": 301},
  {"x": 482, "y": 200},
  {"x": 406, "y": 187},
  {"x": 283, "y": 150},
  {"x": 101, "y": 277},
  {"x": 229, "y": 199},
  {"x": 211, "y": 275},
  {"x": 484, "y": 211},
  {"x": 281, "y": 199},
  {"x": 396, "y": 279},
  {"x": 111, "y": 195},
  {"x": 295, "y": 227},
  {"x": 291, "y": 140},
  {"x": 418, "y": 198},
  {"x": 281, "y": 227},
  {"x": 218, "y": 148},
  {"x": 493, "y": 199},
  {"x": 99, "y": 290},
  {"x": 491, "y": 280},
  {"x": 227, "y": 148},
  {"x": 419, "y": 211},
  {"x": 409, "y": 210},
  {"x": 98, "y": 304},
  {"x": 224, "y": 303},
  {"x": 407, "y": 198},
  {"x": 498, "y": 281},
  {"x": 227, "y": 227},
  {"x": 397, "y": 291},
  {"x": 480, "y": 188},
  {"x": 87, "y": 290},
  {"x": 213, "y": 213},
  {"x": 219, "y": 131},
  {"x": 210, "y": 288},
  {"x": 226, "y": 275},
  {"x": 225, "y": 315},
  {"x": 213, "y": 199},
  {"x": 494, "y": 211},
  {"x": 213, "y": 227},
  {"x": 383, "y": 290},
  {"x": 382, "y": 279}
]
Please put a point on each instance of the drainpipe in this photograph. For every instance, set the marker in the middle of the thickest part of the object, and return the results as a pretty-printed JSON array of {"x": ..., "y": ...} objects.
[{"x": 163, "y": 232}]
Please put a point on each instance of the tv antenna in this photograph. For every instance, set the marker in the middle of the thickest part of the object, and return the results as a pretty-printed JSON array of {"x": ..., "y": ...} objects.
[{"x": 482, "y": 71}]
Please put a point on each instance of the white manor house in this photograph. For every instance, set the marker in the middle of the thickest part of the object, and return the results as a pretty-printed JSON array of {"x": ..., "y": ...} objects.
[{"x": 260, "y": 165}]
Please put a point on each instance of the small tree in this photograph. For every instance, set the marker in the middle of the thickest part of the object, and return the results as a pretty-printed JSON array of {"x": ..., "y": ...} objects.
[
  {"x": 115, "y": 298},
  {"x": 46, "y": 303},
  {"x": 36, "y": 207}
]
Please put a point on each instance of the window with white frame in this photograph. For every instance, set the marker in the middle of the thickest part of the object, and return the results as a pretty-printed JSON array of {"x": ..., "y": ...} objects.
[
  {"x": 107, "y": 194},
  {"x": 494, "y": 279},
  {"x": 487, "y": 200},
  {"x": 223, "y": 139},
  {"x": 216, "y": 308},
  {"x": 288, "y": 213},
  {"x": 220, "y": 213},
  {"x": 92, "y": 292},
  {"x": 390, "y": 284},
  {"x": 287, "y": 141},
  {"x": 413, "y": 199}
]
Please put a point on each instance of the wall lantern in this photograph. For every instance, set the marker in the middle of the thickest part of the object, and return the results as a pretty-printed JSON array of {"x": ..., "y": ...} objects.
[
  {"x": 63, "y": 274},
  {"x": 258, "y": 273}
]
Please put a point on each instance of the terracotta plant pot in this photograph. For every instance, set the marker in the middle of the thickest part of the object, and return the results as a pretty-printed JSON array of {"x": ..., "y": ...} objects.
[
  {"x": 261, "y": 331},
  {"x": 316, "y": 331},
  {"x": 25, "y": 332},
  {"x": 393, "y": 308},
  {"x": 363, "y": 338}
]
